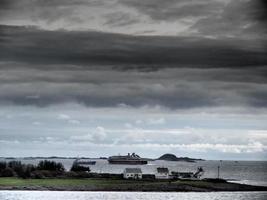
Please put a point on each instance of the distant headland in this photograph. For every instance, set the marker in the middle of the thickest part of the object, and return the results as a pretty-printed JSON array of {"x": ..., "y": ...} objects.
[{"x": 172, "y": 157}]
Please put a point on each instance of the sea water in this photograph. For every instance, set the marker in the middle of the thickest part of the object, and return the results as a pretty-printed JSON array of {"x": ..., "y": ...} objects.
[{"x": 54, "y": 195}]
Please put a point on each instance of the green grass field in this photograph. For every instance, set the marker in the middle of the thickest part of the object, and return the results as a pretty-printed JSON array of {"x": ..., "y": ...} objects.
[
  {"x": 44, "y": 182},
  {"x": 94, "y": 184},
  {"x": 66, "y": 182},
  {"x": 91, "y": 181}
]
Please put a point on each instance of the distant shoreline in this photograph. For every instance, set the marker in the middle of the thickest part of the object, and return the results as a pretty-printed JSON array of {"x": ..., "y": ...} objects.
[
  {"x": 61, "y": 184},
  {"x": 105, "y": 158}
]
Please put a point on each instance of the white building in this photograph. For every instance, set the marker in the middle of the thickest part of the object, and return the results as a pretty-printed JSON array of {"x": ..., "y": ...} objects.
[
  {"x": 162, "y": 173},
  {"x": 132, "y": 173}
]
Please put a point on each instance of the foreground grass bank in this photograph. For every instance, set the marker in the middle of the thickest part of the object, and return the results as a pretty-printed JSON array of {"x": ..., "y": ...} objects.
[{"x": 120, "y": 185}]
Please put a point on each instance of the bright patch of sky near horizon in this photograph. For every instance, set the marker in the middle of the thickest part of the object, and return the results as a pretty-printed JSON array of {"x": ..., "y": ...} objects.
[{"x": 71, "y": 130}]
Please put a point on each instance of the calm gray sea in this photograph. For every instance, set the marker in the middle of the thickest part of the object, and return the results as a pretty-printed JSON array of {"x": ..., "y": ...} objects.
[
  {"x": 248, "y": 172},
  {"x": 53, "y": 195}
]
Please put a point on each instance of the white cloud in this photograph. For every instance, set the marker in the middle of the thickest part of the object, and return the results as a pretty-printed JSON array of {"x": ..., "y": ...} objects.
[
  {"x": 227, "y": 148},
  {"x": 81, "y": 138},
  {"x": 63, "y": 116},
  {"x": 156, "y": 121},
  {"x": 138, "y": 122},
  {"x": 151, "y": 121},
  {"x": 128, "y": 125},
  {"x": 109, "y": 131},
  {"x": 96, "y": 135},
  {"x": 68, "y": 119},
  {"x": 258, "y": 134},
  {"x": 99, "y": 134},
  {"x": 36, "y": 123},
  {"x": 256, "y": 147},
  {"x": 74, "y": 121}
]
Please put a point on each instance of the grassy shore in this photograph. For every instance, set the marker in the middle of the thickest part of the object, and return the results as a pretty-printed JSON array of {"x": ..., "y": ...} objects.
[{"x": 120, "y": 185}]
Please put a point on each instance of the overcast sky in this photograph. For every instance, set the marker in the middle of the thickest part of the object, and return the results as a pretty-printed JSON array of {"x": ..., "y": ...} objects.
[{"x": 102, "y": 77}]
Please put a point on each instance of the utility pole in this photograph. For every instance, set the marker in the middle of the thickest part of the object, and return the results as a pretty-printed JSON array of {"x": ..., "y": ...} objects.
[{"x": 218, "y": 172}]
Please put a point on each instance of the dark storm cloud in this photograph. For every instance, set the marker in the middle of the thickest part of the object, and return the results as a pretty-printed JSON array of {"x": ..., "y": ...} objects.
[
  {"x": 31, "y": 45},
  {"x": 223, "y": 64},
  {"x": 181, "y": 88},
  {"x": 107, "y": 95},
  {"x": 42, "y": 68}
]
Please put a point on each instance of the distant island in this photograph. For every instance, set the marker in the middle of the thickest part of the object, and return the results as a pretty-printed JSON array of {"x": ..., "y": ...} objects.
[
  {"x": 166, "y": 157},
  {"x": 172, "y": 157}
]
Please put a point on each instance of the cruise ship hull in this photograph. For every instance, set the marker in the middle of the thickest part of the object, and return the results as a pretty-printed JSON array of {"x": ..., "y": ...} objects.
[
  {"x": 128, "y": 162},
  {"x": 130, "y": 159}
]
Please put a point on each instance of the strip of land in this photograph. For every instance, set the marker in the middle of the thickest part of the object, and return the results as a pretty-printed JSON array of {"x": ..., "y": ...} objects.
[{"x": 91, "y": 184}]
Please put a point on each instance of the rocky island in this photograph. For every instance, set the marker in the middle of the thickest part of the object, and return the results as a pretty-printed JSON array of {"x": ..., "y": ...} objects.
[{"x": 172, "y": 157}]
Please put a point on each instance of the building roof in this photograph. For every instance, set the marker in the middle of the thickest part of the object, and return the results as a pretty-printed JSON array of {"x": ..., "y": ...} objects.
[
  {"x": 162, "y": 170},
  {"x": 133, "y": 170}
]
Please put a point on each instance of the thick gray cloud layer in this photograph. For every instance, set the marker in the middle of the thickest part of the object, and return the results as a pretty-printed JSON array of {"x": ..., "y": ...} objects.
[
  {"x": 99, "y": 69},
  {"x": 62, "y": 47},
  {"x": 171, "y": 88},
  {"x": 210, "y": 67}
]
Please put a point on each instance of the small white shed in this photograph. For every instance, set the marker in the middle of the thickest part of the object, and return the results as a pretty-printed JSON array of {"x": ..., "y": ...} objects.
[
  {"x": 162, "y": 173},
  {"x": 132, "y": 173}
]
